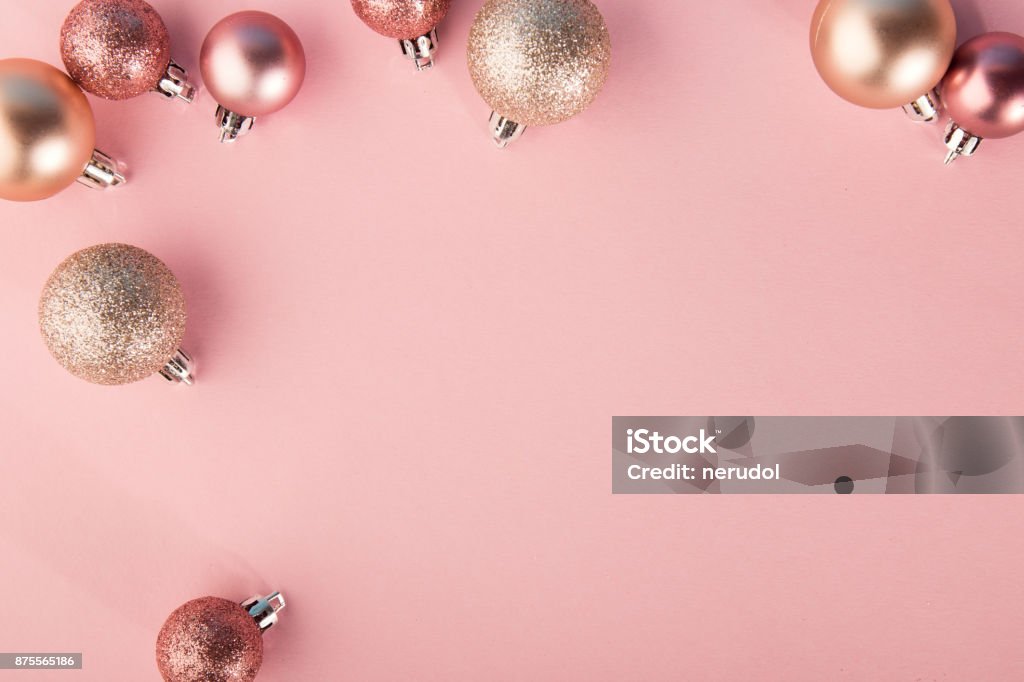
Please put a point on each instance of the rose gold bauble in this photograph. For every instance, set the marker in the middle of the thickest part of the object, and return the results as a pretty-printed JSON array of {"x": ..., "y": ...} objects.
[
  {"x": 209, "y": 640},
  {"x": 47, "y": 130},
  {"x": 112, "y": 314},
  {"x": 983, "y": 92},
  {"x": 115, "y": 49},
  {"x": 539, "y": 62},
  {"x": 882, "y": 54},
  {"x": 253, "y": 63},
  {"x": 401, "y": 19}
]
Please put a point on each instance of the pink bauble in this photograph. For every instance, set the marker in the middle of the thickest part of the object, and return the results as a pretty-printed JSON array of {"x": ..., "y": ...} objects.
[
  {"x": 983, "y": 91},
  {"x": 252, "y": 63},
  {"x": 401, "y": 19}
]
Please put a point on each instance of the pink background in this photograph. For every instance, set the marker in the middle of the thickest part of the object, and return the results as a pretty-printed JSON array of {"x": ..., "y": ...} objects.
[{"x": 410, "y": 347}]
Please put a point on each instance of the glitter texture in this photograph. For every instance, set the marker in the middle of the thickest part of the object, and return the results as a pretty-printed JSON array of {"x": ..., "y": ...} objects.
[
  {"x": 539, "y": 62},
  {"x": 47, "y": 130},
  {"x": 115, "y": 49},
  {"x": 401, "y": 19},
  {"x": 112, "y": 314},
  {"x": 209, "y": 640}
]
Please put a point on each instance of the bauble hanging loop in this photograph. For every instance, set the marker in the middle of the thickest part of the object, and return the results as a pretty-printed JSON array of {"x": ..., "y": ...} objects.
[{"x": 413, "y": 23}]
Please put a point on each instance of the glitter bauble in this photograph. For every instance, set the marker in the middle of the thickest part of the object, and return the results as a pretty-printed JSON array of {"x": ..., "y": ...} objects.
[
  {"x": 115, "y": 49},
  {"x": 209, "y": 640},
  {"x": 538, "y": 62},
  {"x": 401, "y": 19},
  {"x": 112, "y": 314}
]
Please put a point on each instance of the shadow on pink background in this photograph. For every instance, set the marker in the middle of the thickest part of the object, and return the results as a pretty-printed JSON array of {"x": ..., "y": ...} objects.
[{"x": 410, "y": 347}]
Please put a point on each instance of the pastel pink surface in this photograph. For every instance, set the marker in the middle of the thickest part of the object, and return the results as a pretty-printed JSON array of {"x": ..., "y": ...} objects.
[{"x": 410, "y": 347}]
